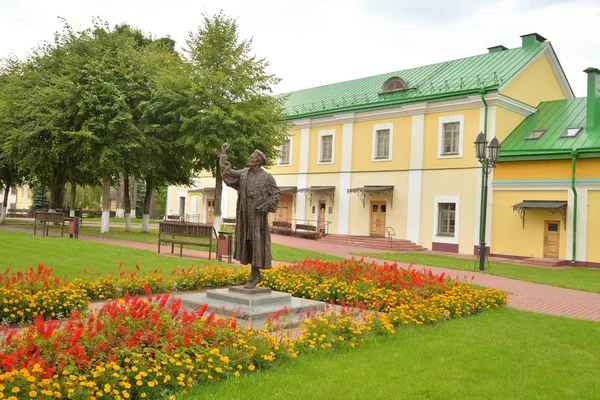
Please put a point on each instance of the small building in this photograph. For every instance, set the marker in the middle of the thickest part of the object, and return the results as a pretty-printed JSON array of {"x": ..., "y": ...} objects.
[{"x": 546, "y": 196}]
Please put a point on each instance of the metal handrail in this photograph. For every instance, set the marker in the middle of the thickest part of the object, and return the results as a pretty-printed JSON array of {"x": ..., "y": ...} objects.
[{"x": 390, "y": 233}]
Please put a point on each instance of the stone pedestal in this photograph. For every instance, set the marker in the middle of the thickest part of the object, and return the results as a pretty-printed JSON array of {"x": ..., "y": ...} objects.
[{"x": 253, "y": 306}]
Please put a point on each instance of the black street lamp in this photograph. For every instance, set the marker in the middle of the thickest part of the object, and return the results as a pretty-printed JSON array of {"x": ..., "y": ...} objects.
[{"x": 487, "y": 156}]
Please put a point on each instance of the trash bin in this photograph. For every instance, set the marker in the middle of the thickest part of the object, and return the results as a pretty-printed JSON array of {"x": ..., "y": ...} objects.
[
  {"x": 74, "y": 228},
  {"x": 225, "y": 245}
]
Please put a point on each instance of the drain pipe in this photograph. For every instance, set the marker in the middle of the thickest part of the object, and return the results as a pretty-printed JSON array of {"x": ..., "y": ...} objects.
[
  {"x": 574, "y": 155},
  {"x": 485, "y": 123}
]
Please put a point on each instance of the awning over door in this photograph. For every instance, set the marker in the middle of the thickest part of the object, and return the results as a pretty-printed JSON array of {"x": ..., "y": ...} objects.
[
  {"x": 388, "y": 190},
  {"x": 324, "y": 190},
  {"x": 558, "y": 206},
  {"x": 201, "y": 192}
]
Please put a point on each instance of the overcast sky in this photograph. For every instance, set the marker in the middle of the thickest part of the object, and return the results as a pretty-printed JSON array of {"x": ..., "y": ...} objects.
[{"x": 316, "y": 42}]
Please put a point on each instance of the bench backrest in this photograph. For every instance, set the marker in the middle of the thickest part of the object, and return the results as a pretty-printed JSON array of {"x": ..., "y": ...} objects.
[
  {"x": 187, "y": 229},
  {"x": 49, "y": 216},
  {"x": 229, "y": 221},
  {"x": 282, "y": 224},
  {"x": 305, "y": 227}
]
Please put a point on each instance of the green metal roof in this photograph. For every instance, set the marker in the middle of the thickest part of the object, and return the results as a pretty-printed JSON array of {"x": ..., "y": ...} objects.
[
  {"x": 448, "y": 79},
  {"x": 554, "y": 117}
]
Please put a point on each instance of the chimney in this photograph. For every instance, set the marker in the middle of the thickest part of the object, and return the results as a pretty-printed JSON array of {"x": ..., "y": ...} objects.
[
  {"x": 593, "y": 100},
  {"x": 532, "y": 38},
  {"x": 495, "y": 49}
]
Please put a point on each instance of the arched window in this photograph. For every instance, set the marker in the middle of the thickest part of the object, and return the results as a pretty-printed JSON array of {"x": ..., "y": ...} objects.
[{"x": 394, "y": 84}]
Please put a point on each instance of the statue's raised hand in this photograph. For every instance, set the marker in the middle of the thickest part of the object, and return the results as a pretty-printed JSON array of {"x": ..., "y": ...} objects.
[{"x": 224, "y": 148}]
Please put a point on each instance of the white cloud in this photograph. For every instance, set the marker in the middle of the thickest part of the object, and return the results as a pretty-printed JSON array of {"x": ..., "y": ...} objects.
[{"x": 314, "y": 42}]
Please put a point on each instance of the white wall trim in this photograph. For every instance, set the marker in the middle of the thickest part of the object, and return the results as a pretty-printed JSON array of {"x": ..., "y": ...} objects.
[
  {"x": 304, "y": 149},
  {"x": 224, "y": 201},
  {"x": 542, "y": 185},
  {"x": 413, "y": 206},
  {"x": 461, "y": 135},
  {"x": 417, "y": 137},
  {"x": 279, "y": 164},
  {"x": 345, "y": 179},
  {"x": 168, "y": 202},
  {"x": 301, "y": 199},
  {"x": 582, "y": 221},
  {"x": 446, "y": 239},
  {"x": 347, "y": 141},
  {"x": 563, "y": 82},
  {"x": 377, "y": 127},
  {"x": 327, "y": 132}
]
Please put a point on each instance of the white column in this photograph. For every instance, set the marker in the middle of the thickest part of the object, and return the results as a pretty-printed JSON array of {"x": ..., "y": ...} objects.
[
  {"x": 303, "y": 173},
  {"x": 582, "y": 205},
  {"x": 168, "y": 202},
  {"x": 345, "y": 179},
  {"x": 224, "y": 201},
  {"x": 415, "y": 178}
]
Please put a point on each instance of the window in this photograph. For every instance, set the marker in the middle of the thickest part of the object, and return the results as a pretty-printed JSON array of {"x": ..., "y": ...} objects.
[
  {"x": 285, "y": 152},
  {"x": 22, "y": 193},
  {"x": 535, "y": 135},
  {"x": 446, "y": 219},
  {"x": 326, "y": 146},
  {"x": 383, "y": 139},
  {"x": 451, "y": 138},
  {"x": 182, "y": 206},
  {"x": 393, "y": 84},
  {"x": 571, "y": 132},
  {"x": 451, "y": 133}
]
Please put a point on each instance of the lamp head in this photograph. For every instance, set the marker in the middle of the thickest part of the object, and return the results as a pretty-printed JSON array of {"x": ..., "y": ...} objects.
[{"x": 480, "y": 147}]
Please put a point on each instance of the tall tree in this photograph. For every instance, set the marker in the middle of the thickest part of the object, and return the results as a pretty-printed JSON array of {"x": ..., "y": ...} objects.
[{"x": 230, "y": 99}]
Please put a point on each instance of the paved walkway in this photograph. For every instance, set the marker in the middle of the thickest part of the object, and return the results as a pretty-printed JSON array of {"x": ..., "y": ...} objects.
[{"x": 524, "y": 295}]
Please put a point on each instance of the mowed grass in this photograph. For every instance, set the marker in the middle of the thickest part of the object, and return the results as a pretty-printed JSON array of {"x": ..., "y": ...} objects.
[
  {"x": 76, "y": 258},
  {"x": 586, "y": 279},
  {"x": 499, "y": 354}
]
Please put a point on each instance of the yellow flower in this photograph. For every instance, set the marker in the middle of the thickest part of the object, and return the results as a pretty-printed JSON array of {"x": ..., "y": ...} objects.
[{"x": 251, "y": 367}]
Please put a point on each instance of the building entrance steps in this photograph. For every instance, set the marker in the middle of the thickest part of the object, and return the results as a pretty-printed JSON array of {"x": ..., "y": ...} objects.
[{"x": 370, "y": 242}]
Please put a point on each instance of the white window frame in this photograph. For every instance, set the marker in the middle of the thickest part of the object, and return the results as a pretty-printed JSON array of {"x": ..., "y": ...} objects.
[
  {"x": 461, "y": 135},
  {"x": 436, "y": 214},
  {"x": 329, "y": 132},
  {"x": 288, "y": 164},
  {"x": 379, "y": 127}
]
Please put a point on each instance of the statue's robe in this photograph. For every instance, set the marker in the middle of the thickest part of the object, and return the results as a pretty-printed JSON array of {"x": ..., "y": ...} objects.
[{"x": 252, "y": 235}]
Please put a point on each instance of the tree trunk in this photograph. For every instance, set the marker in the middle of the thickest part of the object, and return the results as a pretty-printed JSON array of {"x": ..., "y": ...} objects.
[
  {"x": 134, "y": 191},
  {"x": 127, "y": 204},
  {"x": 153, "y": 204},
  {"x": 105, "y": 204},
  {"x": 5, "y": 203},
  {"x": 73, "y": 199},
  {"x": 120, "y": 199},
  {"x": 218, "y": 191},
  {"x": 55, "y": 192},
  {"x": 147, "y": 202}
]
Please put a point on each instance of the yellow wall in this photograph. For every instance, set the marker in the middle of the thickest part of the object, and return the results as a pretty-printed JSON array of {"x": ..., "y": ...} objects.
[
  {"x": 430, "y": 143},
  {"x": 294, "y": 168},
  {"x": 362, "y": 144},
  {"x": 535, "y": 84},
  {"x": 27, "y": 199},
  {"x": 506, "y": 122},
  {"x": 313, "y": 165},
  {"x": 359, "y": 223},
  {"x": 508, "y": 235},
  {"x": 450, "y": 183},
  {"x": 593, "y": 226},
  {"x": 554, "y": 169}
]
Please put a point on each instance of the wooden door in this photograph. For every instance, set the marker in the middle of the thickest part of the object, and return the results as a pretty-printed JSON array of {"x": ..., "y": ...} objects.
[
  {"x": 321, "y": 218},
  {"x": 551, "y": 239},
  {"x": 210, "y": 210},
  {"x": 182, "y": 206},
  {"x": 378, "y": 210},
  {"x": 284, "y": 210}
]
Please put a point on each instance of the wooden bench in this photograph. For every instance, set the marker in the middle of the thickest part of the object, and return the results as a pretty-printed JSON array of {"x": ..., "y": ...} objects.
[
  {"x": 230, "y": 222},
  {"x": 18, "y": 213},
  {"x": 175, "y": 217},
  {"x": 44, "y": 220},
  {"x": 188, "y": 233},
  {"x": 307, "y": 230},
  {"x": 282, "y": 226}
]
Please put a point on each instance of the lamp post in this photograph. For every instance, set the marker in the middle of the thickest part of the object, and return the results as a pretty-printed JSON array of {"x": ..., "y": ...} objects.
[{"x": 487, "y": 156}]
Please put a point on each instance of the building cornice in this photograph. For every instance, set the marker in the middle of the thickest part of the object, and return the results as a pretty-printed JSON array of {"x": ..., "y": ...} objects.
[
  {"x": 463, "y": 103},
  {"x": 544, "y": 184}
]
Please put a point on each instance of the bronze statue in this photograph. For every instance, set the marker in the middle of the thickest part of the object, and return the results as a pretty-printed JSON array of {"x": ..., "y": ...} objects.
[{"x": 258, "y": 195}]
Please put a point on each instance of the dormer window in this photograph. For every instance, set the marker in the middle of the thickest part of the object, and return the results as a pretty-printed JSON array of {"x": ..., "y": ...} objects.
[
  {"x": 571, "y": 132},
  {"x": 394, "y": 84},
  {"x": 535, "y": 135}
]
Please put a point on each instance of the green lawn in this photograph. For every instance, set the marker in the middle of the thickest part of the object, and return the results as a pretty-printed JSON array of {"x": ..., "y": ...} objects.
[
  {"x": 586, "y": 279},
  {"x": 499, "y": 354},
  {"x": 121, "y": 220},
  {"x": 76, "y": 257}
]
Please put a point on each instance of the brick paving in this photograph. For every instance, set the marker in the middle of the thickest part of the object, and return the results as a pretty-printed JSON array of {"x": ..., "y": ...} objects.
[{"x": 526, "y": 296}]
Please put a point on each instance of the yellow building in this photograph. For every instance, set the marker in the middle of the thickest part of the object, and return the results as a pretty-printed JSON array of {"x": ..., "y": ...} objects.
[
  {"x": 546, "y": 201},
  {"x": 396, "y": 150}
]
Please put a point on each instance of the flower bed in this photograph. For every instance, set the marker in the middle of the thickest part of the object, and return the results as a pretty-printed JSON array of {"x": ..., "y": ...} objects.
[{"x": 135, "y": 348}]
